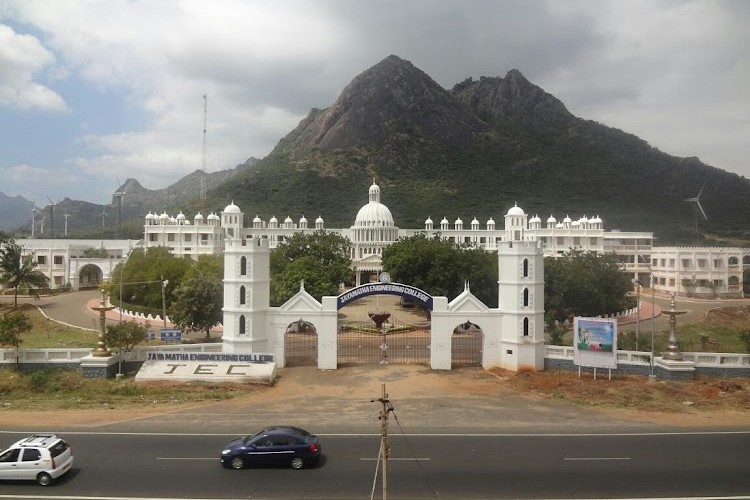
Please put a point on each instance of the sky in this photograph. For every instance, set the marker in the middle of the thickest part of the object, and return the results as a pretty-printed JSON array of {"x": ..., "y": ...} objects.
[{"x": 92, "y": 91}]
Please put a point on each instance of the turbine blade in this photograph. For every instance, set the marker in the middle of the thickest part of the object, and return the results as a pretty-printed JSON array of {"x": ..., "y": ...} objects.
[
  {"x": 699, "y": 192},
  {"x": 699, "y": 206}
]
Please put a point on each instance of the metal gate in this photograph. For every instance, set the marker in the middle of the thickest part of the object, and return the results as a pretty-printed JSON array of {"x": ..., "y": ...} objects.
[
  {"x": 301, "y": 345},
  {"x": 367, "y": 347},
  {"x": 466, "y": 348}
]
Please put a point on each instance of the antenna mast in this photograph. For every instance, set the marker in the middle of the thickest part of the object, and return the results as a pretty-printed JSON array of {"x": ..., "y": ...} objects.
[{"x": 203, "y": 162}]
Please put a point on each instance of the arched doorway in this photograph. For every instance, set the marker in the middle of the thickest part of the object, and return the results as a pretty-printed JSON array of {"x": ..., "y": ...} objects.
[
  {"x": 391, "y": 331},
  {"x": 301, "y": 344},
  {"x": 90, "y": 276},
  {"x": 466, "y": 345}
]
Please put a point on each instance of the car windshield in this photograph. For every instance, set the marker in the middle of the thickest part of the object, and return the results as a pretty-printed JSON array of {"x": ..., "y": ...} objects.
[{"x": 249, "y": 438}]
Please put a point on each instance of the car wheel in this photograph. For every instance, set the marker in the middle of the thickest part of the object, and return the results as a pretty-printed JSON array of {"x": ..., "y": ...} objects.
[
  {"x": 43, "y": 479},
  {"x": 237, "y": 463},
  {"x": 297, "y": 463}
]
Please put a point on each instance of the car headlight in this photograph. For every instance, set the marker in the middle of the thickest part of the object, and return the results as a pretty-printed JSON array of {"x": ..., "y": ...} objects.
[{"x": 226, "y": 452}]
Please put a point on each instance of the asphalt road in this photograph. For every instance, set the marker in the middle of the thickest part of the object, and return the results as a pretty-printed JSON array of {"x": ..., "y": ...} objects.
[{"x": 456, "y": 466}]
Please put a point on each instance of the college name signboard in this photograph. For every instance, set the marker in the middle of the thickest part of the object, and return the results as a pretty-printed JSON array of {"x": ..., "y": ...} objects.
[
  {"x": 407, "y": 291},
  {"x": 595, "y": 342},
  {"x": 249, "y": 368},
  {"x": 210, "y": 356}
]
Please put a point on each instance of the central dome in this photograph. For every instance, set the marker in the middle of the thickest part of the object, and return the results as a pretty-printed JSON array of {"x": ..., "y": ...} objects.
[{"x": 374, "y": 213}]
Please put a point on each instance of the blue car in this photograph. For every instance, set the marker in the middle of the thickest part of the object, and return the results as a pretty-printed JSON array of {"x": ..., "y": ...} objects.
[{"x": 286, "y": 446}]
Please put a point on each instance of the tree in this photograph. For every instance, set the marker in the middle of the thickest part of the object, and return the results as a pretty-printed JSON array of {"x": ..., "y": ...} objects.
[
  {"x": 439, "y": 267},
  {"x": 197, "y": 303},
  {"x": 17, "y": 270},
  {"x": 125, "y": 336},
  {"x": 320, "y": 259},
  {"x": 142, "y": 274},
  {"x": 584, "y": 284},
  {"x": 93, "y": 253},
  {"x": 12, "y": 326}
]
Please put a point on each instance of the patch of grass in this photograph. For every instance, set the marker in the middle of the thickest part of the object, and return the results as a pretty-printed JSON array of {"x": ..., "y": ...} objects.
[
  {"x": 47, "y": 334},
  {"x": 60, "y": 389}
]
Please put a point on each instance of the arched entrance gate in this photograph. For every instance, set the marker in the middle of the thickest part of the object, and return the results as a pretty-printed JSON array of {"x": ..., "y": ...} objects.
[{"x": 384, "y": 340}]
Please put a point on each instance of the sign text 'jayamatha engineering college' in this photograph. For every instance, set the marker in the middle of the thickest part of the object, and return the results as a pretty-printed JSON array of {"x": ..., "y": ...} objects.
[{"x": 179, "y": 366}]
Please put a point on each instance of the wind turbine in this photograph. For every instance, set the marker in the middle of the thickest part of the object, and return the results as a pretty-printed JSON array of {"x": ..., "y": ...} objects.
[
  {"x": 697, "y": 201},
  {"x": 51, "y": 217},
  {"x": 66, "y": 223},
  {"x": 103, "y": 214},
  {"x": 34, "y": 211},
  {"x": 117, "y": 201}
]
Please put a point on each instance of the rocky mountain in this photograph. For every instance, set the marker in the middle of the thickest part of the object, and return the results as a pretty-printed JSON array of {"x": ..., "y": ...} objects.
[
  {"x": 470, "y": 151},
  {"x": 474, "y": 151},
  {"x": 15, "y": 211}
]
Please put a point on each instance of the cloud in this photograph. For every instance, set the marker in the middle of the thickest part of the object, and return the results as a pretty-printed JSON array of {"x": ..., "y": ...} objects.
[
  {"x": 21, "y": 56},
  {"x": 673, "y": 72}
]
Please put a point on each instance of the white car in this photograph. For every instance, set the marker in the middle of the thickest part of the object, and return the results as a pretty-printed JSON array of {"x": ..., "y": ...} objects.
[{"x": 41, "y": 457}]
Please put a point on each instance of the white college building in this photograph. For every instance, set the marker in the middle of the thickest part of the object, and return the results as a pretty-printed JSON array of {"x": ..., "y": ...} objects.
[{"x": 713, "y": 269}]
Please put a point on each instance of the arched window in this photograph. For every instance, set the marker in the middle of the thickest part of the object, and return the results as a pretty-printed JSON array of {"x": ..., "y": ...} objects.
[
  {"x": 733, "y": 261},
  {"x": 242, "y": 295},
  {"x": 525, "y": 327},
  {"x": 243, "y": 266},
  {"x": 242, "y": 324},
  {"x": 525, "y": 268},
  {"x": 526, "y": 297}
]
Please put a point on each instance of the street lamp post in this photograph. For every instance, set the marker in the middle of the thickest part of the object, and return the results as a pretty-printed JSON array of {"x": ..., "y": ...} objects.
[
  {"x": 651, "y": 376},
  {"x": 122, "y": 266},
  {"x": 164, "y": 284},
  {"x": 637, "y": 311}
]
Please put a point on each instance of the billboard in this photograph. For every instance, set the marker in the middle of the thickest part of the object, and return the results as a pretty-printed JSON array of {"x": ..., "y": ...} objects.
[{"x": 595, "y": 342}]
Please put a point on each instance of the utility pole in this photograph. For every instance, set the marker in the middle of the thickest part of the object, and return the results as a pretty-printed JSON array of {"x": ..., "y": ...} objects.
[
  {"x": 204, "y": 161},
  {"x": 385, "y": 451}
]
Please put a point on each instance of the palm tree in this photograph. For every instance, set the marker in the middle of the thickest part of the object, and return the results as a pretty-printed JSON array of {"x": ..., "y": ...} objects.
[{"x": 17, "y": 271}]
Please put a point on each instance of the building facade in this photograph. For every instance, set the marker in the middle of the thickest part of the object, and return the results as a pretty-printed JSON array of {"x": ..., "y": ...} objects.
[{"x": 374, "y": 229}]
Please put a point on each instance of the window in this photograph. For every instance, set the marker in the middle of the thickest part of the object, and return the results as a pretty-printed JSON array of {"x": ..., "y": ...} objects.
[
  {"x": 31, "y": 455},
  {"x": 718, "y": 263},
  {"x": 188, "y": 237},
  {"x": 41, "y": 259},
  {"x": 153, "y": 237},
  {"x": 242, "y": 295},
  {"x": 702, "y": 263},
  {"x": 10, "y": 455},
  {"x": 526, "y": 297},
  {"x": 525, "y": 327},
  {"x": 170, "y": 237},
  {"x": 243, "y": 266},
  {"x": 560, "y": 240},
  {"x": 671, "y": 282},
  {"x": 685, "y": 263},
  {"x": 671, "y": 263},
  {"x": 525, "y": 268},
  {"x": 242, "y": 324},
  {"x": 733, "y": 261},
  {"x": 577, "y": 241},
  {"x": 58, "y": 260}
]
